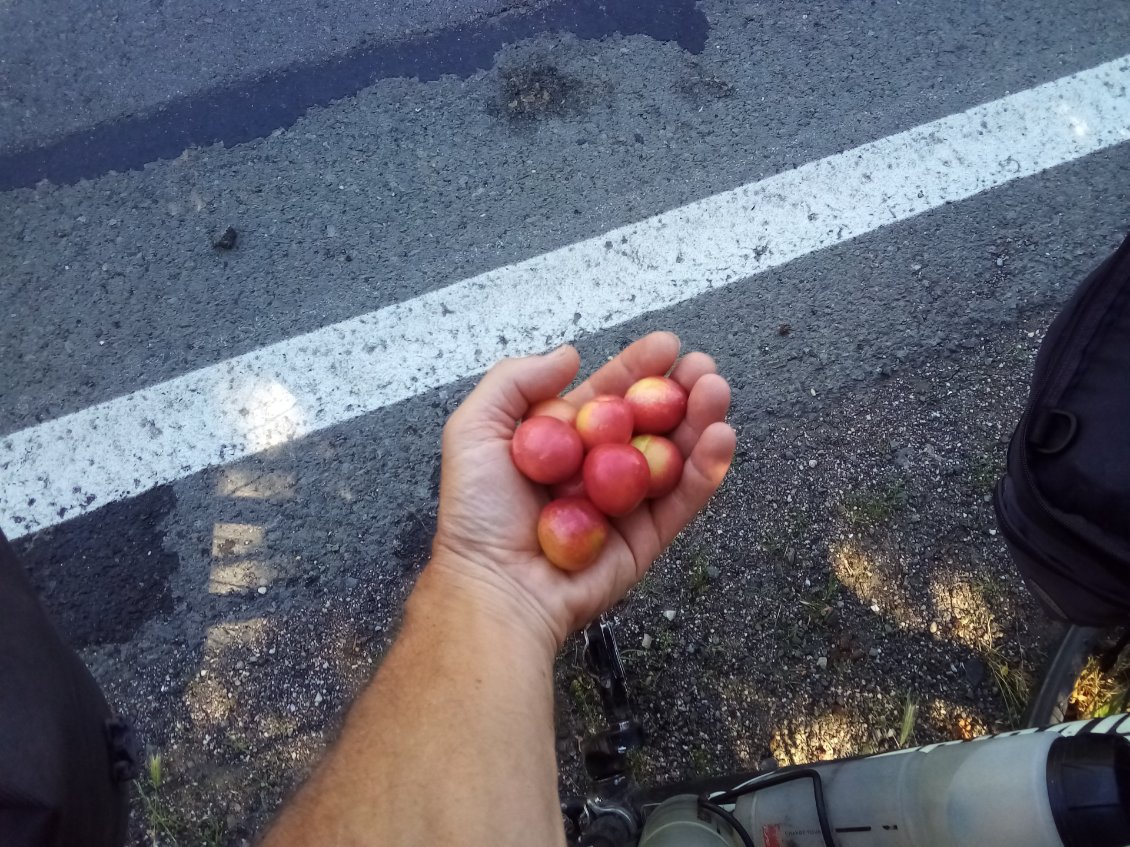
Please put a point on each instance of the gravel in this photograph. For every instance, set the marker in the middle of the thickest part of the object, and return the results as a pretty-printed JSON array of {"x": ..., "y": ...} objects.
[
  {"x": 796, "y": 620},
  {"x": 849, "y": 571}
]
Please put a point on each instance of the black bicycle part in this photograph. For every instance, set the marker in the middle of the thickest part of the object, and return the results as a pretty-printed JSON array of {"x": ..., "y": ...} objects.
[
  {"x": 1089, "y": 790},
  {"x": 735, "y": 825},
  {"x": 789, "y": 775},
  {"x": 606, "y": 753},
  {"x": 573, "y": 813},
  {"x": 1049, "y": 704},
  {"x": 602, "y": 659},
  {"x": 1110, "y": 657},
  {"x": 608, "y": 830},
  {"x": 656, "y": 794}
]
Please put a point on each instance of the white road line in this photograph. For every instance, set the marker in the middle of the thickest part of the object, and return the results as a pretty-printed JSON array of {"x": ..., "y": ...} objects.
[{"x": 121, "y": 448}]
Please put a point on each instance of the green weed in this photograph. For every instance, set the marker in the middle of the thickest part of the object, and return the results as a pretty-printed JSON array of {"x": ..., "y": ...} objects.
[
  {"x": 586, "y": 705},
  {"x": 909, "y": 716},
  {"x": 699, "y": 577},
  {"x": 870, "y": 507},
  {"x": 1013, "y": 682},
  {"x": 783, "y": 536},
  {"x": 820, "y": 605},
  {"x": 984, "y": 471},
  {"x": 701, "y": 760}
]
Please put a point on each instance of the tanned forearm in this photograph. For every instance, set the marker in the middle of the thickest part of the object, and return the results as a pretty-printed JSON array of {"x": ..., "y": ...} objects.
[{"x": 451, "y": 743}]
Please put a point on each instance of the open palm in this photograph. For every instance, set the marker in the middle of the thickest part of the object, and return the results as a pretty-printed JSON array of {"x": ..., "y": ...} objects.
[{"x": 488, "y": 511}]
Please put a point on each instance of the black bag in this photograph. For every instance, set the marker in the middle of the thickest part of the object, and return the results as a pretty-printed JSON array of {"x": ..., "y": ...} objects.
[
  {"x": 64, "y": 759},
  {"x": 1063, "y": 505}
]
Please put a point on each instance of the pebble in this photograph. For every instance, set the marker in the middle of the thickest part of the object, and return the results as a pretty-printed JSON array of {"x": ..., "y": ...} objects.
[
  {"x": 874, "y": 652},
  {"x": 712, "y": 572},
  {"x": 875, "y": 608},
  {"x": 669, "y": 614},
  {"x": 262, "y": 589},
  {"x": 317, "y": 699},
  {"x": 812, "y": 463},
  {"x": 822, "y": 663},
  {"x": 933, "y": 627},
  {"x": 646, "y": 641},
  {"x": 226, "y": 240}
]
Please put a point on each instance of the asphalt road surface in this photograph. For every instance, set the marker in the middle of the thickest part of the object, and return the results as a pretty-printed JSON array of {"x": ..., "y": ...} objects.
[{"x": 375, "y": 163}]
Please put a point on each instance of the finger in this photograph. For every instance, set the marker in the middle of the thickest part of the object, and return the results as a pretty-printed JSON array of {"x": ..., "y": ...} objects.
[
  {"x": 691, "y": 368},
  {"x": 708, "y": 402},
  {"x": 653, "y": 354},
  {"x": 648, "y": 530},
  {"x": 702, "y": 474},
  {"x": 513, "y": 385},
  {"x": 618, "y": 568},
  {"x": 642, "y": 537}
]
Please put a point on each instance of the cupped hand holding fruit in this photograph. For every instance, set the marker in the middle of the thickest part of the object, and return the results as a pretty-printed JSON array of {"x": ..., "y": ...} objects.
[{"x": 487, "y": 533}]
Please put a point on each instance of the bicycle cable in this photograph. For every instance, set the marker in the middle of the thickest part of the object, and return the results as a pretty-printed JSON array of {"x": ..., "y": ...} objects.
[
  {"x": 747, "y": 841},
  {"x": 770, "y": 780}
]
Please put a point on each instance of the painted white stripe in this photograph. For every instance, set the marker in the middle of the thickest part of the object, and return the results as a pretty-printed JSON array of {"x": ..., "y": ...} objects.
[
  {"x": 1071, "y": 728},
  {"x": 1108, "y": 724},
  {"x": 65, "y": 467}
]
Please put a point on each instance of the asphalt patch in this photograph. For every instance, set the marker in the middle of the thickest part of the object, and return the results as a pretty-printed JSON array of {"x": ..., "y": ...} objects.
[
  {"x": 250, "y": 109},
  {"x": 102, "y": 576},
  {"x": 536, "y": 91}
]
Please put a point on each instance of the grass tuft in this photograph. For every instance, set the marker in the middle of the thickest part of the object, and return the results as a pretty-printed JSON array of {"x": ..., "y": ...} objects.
[
  {"x": 909, "y": 717},
  {"x": 870, "y": 507}
]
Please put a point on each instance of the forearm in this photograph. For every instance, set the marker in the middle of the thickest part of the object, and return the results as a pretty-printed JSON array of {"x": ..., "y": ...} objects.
[{"x": 452, "y": 742}]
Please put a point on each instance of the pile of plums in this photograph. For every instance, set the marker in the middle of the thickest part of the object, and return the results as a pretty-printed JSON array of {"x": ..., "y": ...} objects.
[{"x": 601, "y": 460}]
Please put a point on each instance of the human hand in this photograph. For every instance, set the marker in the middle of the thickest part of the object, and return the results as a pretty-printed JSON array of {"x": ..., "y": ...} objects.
[{"x": 486, "y": 537}]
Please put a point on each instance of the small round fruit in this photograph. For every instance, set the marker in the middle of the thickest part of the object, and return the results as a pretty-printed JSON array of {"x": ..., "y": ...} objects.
[
  {"x": 574, "y": 486},
  {"x": 664, "y": 461},
  {"x": 571, "y": 532},
  {"x": 616, "y": 478},
  {"x": 554, "y": 407},
  {"x": 546, "y": 450},
  {"x": 658, "y": 403},
  {"x": 606, "y": 419}
]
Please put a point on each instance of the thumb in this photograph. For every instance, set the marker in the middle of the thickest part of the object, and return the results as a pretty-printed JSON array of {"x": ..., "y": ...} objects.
[{"x": 513, "y": 385}]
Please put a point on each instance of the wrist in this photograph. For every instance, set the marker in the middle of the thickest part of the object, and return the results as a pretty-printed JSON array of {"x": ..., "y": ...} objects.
[{"x": 476, "y": 598}]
